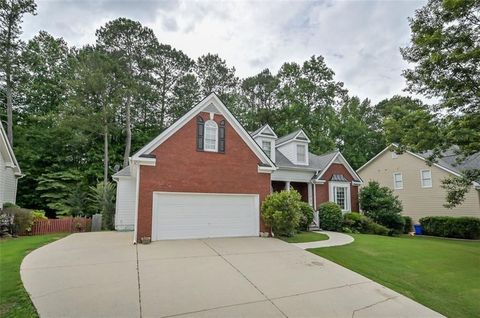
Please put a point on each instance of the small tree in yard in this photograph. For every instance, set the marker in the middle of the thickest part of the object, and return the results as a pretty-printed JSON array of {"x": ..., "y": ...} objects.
[
  {"x": 281, "y": 211},
  {"x": 382, "y": 206},
  {"x": 103, "y": 199}
]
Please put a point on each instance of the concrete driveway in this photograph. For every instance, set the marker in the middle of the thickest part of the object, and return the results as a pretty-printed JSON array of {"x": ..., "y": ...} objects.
[{"x": 104, "y": 275}]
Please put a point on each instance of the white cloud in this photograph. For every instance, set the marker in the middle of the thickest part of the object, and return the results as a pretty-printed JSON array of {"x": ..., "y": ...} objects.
[{"x": 360, "y": 40}]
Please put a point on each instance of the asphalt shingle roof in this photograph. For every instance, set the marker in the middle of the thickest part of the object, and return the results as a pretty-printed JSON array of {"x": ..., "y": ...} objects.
[
  {"x": 287, "y": 137},
  {"x": 452, "y": 161},
  {"x": 125, "y": 172}
]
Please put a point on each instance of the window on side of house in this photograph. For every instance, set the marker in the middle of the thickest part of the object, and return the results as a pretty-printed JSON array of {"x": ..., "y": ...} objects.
[
  {"x": 211, "y": 136},
  {"x": 301, "y": 153},
  {"x": 267, "y": 147},
  {"x": 398, "y": 181},
  {"x": 426, "y": 178},
  {"x": 340, "y": 197}
]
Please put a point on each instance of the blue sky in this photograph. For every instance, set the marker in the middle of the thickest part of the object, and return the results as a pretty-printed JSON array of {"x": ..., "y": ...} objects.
[{"x": 360, "y": 40}]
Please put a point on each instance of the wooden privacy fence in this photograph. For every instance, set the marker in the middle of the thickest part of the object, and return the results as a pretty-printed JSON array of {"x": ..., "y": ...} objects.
[{"x": 70, "y": 225}]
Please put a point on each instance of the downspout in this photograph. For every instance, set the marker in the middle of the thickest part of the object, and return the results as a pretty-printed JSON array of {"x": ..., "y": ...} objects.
[{"x": 137, "y": 188}]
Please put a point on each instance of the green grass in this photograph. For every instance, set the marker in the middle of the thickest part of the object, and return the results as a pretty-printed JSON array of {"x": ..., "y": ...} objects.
[
  {"x": 14, "y": 300},
  {"x": 304, "y": 237},
  {"x": 439, "y": 273}
]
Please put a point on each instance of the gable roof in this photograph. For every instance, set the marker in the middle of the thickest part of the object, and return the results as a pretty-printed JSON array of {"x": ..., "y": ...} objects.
[
  {"x": 209, "y": 103},
  {"x": 7, "y": 152},
  {"x": 265, "y": 131},
  {"x": 333, "y": 157},
  {"x": 297, "y": 134},
  {"x": 447, "y": 160}
]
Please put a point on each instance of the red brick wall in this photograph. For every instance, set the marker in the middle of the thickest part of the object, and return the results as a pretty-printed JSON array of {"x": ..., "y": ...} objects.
[
  {"x": 181, "y": 168},
  {"x": 322, "y": 189}
]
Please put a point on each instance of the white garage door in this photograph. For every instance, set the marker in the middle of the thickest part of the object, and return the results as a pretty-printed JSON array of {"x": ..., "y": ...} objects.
[{"x": 201, "y": 215}]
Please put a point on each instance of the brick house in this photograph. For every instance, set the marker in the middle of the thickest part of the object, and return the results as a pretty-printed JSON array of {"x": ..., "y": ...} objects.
[{"x": 206, "y": 176}]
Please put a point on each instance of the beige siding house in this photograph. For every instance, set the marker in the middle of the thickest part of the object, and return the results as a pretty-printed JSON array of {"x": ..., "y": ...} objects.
[
  {"x": 418, "y": 185},
  {"x": 9, "y": 171}
]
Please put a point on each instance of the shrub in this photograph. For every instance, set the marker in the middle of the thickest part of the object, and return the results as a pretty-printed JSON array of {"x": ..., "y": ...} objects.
[
  {"x": 38, "y": 215},
  {"x": 306, "y": 216},
  {"x": 378, "y": 229},
  {"x": 103, "y": 199},
  {"x": 330, "y": 216},
  {"x": 281, "y": 211},
  {"x": 457, "y": 227},
  {"x": 382, "y": 206},
  {"x": 358, "y": 223},
  {"x": 22, "y": 219},
  {"x": 7, "y": 205},
  {"x": 408, "y": 224}
]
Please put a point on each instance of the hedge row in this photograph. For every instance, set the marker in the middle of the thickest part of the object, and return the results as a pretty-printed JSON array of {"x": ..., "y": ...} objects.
[{"x": 446, "y": 226}]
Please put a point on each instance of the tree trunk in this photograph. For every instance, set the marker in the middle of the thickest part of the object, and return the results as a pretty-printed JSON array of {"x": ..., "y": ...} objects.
[
  {"x": 8, "y": 79},
  {"x": 9, "y": 111},
  {"x": 128, "y": 139},
  {"x": 105, "y": 154}
]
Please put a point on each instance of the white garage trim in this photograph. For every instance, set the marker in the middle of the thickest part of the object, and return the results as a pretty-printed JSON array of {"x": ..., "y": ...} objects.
[{"x": 242, "y": 209}]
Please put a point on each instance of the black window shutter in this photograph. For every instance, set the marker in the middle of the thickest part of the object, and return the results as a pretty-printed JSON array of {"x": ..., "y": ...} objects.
[
  {"x": 200, "y": 132},
  {"x": 221, "y": 137}
]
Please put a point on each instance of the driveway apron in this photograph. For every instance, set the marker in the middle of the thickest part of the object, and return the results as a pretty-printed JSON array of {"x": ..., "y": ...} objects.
[{"x": 104, "y": 275}]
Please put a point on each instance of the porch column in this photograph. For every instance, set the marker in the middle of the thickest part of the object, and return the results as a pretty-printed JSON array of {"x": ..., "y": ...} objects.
[
  {"x": 310, "y": 198},
  {"x": 287, "y": 185}
]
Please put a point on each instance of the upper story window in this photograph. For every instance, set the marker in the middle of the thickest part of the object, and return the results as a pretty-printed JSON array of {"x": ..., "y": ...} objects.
[
  {"x": 267, "y": 147},
  {"x": 301, "y": 153},
  {"x": 398, "y": 181},
  {"x": 426, "y": 177},
  {"x": 211, "y": 136}
]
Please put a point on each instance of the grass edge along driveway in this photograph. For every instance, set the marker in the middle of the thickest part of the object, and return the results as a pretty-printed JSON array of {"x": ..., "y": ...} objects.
[
  {"x": 304, "y": 237},
  {"x": 441, "y": 274},
  {"x": 14, "y": 299}
]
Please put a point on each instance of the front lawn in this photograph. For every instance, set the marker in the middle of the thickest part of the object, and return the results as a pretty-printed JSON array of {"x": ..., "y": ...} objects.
[
  {"x": 304, "y": 237},
  {"x": 14, "y": 300},
  {"x": 439, "y": 273}
]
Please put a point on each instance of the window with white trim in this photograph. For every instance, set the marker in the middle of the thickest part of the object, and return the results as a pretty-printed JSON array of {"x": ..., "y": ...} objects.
[
  {"x": 211, "y": 136},
  {"x": 398, "y": 181},
  {"x": 340, "y": 197},
  {"x": 301, "y": 153},
  {"x": 267, "y": 147},
  {"x": 426, "y": 178}
]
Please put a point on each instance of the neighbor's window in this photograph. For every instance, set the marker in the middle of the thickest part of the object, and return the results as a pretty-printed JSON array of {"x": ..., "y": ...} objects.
[
  {"x": 267, "y": 147},
  {"x": 426, "y": 176},
  {"x": 397, "y": 180},
  {"x": 301, "y": 153},
  {"x": 211, "y": 136},
  {"x": 340, "y": 197}
]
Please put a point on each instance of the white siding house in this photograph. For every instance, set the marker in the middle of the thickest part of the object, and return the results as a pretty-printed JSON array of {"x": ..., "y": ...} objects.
[
  {"x": 126, "y": 198},
  {"x": 9, "y": 171}
]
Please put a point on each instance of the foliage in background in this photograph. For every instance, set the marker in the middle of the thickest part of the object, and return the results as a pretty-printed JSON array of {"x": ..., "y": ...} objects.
[
  {"x": 281, "y": 211},
  {"x": 330, "y": 216},
  {"x": 85, "y": 110},
  {"x": 445, "y": 54},
  {"x": 382, "y": 206}
]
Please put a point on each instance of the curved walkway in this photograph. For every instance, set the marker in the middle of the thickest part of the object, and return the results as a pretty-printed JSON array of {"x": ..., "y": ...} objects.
[{"x": 334, "y": 239}]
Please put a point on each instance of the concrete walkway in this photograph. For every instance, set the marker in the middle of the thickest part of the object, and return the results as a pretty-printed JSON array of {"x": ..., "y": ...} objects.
[
  {"x": 102, "y": 274},
  {"x": 334, "y": 239}
]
